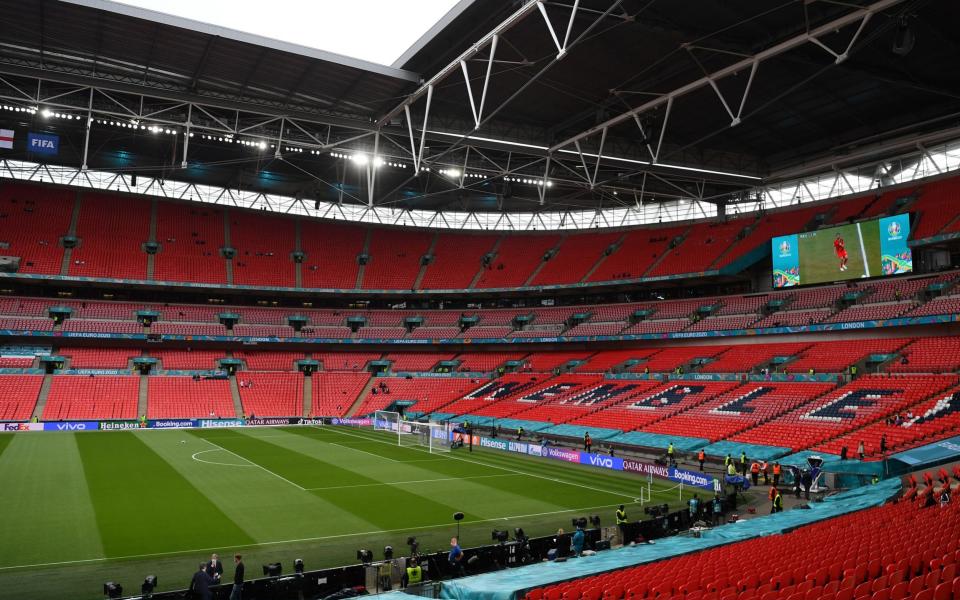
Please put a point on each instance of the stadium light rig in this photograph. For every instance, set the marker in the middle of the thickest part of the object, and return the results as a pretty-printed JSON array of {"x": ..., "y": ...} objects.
[{"x": 25, "y": 109}]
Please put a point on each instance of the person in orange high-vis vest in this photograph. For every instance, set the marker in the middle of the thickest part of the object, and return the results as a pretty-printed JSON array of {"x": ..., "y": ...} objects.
[
  {"x": 776, "y": 474},
  {"x": 755, "y": 472},
  {"x": 701, "y": 456}
]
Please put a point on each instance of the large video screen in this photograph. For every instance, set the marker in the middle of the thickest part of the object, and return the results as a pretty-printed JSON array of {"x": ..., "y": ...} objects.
[{"x": 866, "y": 249}]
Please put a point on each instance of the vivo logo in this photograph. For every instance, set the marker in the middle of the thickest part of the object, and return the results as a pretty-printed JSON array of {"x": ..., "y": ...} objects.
[
  {"x": 70, "y": 426},
  {"x": 601, "y": 461}
]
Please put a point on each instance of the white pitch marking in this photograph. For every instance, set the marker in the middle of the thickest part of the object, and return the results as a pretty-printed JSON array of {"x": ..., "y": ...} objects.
[{"x": 211, "y": 462}]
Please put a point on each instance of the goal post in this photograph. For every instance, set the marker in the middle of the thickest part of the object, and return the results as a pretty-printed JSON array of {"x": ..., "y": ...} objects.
[{"x": 433, "y": 437}]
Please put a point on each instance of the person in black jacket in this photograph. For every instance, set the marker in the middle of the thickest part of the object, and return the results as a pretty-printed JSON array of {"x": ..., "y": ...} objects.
[
  {"x": 237, "y": 590},
  {"x": 215, "y": 568},
  {"x": 200, "y": 584}
]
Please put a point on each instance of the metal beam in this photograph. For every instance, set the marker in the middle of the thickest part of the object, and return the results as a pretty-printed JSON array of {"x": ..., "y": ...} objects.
[{"x": 747, "y": 63}]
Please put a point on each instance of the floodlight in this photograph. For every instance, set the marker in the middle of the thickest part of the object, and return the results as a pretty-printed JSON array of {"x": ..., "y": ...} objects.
[
  {"x": 46, "y": 114},
  {"x": 360, "y": 158}
]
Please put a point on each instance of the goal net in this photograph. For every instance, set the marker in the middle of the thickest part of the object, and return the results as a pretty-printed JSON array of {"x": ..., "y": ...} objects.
[{"x": 433, "y": 437}]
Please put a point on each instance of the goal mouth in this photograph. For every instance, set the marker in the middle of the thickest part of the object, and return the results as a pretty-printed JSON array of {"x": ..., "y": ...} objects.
[{"x": 429, "y": 436}]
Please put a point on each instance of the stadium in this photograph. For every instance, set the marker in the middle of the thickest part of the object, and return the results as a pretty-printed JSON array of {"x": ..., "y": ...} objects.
[{"x": 564, "y": 300}]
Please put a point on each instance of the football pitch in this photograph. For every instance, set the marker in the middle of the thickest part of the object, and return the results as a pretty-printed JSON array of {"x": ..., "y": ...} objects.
[
  {"x": 819, "y": 262},
  {"x": 82, "y": 508}
]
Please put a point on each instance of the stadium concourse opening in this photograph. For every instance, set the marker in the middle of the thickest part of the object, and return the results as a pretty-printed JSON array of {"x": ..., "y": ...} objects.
[{"x": 485, "y": 316}]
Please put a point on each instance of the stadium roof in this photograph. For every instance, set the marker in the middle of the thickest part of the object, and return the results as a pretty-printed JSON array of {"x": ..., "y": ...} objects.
[{"x": 680, "y": 99}]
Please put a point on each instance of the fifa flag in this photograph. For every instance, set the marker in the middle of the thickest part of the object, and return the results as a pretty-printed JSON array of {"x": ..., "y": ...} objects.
[{"x": 6, "y": 139}]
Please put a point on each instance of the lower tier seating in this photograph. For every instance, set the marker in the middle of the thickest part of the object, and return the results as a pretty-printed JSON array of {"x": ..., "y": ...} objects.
[
  {"x": 892, "y": 552},
  {"x": 858, "y": 403},
  {"x": 271, "y": 394},
  {"x": 83, "y": 398},
  {"x": 18, "y": 396},
  {"x": 334, "y": 393},
  {"x": 185, "y": 397}
]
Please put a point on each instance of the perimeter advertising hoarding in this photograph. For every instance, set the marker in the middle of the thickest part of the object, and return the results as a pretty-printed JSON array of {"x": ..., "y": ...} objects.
[
  {"x": 72, "y": 426},
  {"x": 856, "y": 251}
]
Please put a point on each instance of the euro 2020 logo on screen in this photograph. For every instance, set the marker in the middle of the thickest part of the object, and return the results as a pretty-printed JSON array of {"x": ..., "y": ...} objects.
[
  {"x": 893, "y": 230},
  {"x": 784, "y": 248}
]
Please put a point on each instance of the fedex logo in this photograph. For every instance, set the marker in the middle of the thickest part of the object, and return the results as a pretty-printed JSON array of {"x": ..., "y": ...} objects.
[
  {"x": 848, "y": 406},
  {"x": 668, "y": 397}
]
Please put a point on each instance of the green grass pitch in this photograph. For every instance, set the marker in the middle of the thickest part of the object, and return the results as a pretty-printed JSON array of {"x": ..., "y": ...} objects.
[
  {"x": 819, "y": 263},
  {"x": 87, "y": 507}
]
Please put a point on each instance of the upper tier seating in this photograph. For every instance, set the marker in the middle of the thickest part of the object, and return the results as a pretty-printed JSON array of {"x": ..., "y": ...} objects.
[
  {"x": 576, "y": 256},
  {"x": 113, "y": 226},
  {"x": 271, "y": 394},
  {"x": 263, "y": 242},
  {"x": 892, "y": 552},
  {"x": 739, "y": 409},
  {"x": 112, "y": 230},
  {"x": 936, "y": 207},
  {"x": 654, "y": 404},
  {"x": 190, "y": 238},
  {"x": 516, "y": 259},
  {"x": 185, "y": 398},
  {"x": 33, "y": 218},
  {"x": 395, "y": 258},
  {"x": 82, "y": 398},
  {"x": 862, "y": 401},
  {"x": 702, "y": 246},
  {"x": 636, "y": 253},
  {"x": 335, "y": 392},
  {"x": 456, "y": 260},
  {"x": 331, "y": 253},
  {"x": 18, "y": 396}
]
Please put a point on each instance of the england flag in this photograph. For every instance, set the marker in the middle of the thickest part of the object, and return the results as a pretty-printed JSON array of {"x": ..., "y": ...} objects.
[{"x": 6, "y": 139}]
